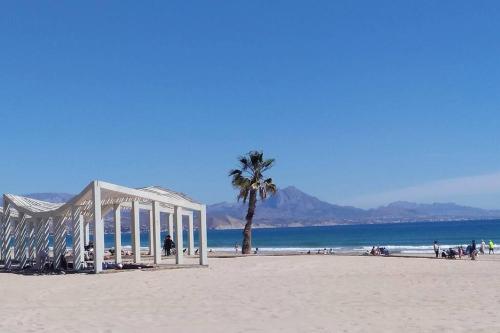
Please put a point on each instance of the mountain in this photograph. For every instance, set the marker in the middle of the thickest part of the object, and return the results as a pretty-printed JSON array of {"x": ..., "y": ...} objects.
[
  {"x": 291, "y": 207},
  {"x": 404, "y": 209}
]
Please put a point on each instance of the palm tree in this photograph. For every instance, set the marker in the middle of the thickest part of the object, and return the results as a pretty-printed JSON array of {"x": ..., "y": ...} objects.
[{"x": 249, "y": 180}]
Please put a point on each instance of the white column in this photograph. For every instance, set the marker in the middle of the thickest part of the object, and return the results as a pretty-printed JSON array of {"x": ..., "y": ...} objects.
[
  {"x": 136, "y": 232},
  {"x": 118, "y": 234},
  {"x": 37, "y": 226},
  {"x": 17, "y": 241},
  {"x": 155, "y": 217},
  {"x": 1, "y": 235},
  {"x": 203, "y": 236},
  {"x": 179, "y": 256},
  {"x": 86, "y": 233},
  {"x": 151, "y": 234},
  {"x": 42, "y": 237},
  {"x": 20, "y": 240},
  {"x": 171, "y": 225},
  {"x": 7, "y": 235},
  {"x": 36, "y": 231},
  {"x": 78, "y": 238},
  {"x": 190, "y": 234},
  {"x": 59, "y": 239},
  {"x": 98, "y": 228},
  {"x": 31, "y": 239},
  {"x": 55, "y": 241}
]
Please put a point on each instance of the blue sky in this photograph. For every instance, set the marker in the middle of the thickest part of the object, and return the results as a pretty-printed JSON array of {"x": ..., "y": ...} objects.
[{"x": 360, "y": 102}]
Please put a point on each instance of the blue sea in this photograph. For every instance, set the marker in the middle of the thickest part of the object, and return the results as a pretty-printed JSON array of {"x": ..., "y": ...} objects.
[{"x": 398, "y": 237}]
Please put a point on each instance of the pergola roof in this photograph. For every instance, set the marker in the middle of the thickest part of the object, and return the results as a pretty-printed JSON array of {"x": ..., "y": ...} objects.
[
  {"x": 111, "y": 195},
  {"x": 167, "y": 193},
  {"x": 33, "y": 205}
]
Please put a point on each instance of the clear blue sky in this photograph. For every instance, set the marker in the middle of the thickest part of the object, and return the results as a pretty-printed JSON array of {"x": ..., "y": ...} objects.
[{"x": 359, "y": 101}]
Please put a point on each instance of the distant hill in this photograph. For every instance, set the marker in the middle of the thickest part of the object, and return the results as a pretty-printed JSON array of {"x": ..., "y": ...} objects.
[
  {"x": 402, "y": 209},
  {"x": 291, "y": 207}
]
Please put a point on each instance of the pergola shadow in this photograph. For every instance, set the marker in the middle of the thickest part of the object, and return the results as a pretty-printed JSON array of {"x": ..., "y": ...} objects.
[{"x": 127, "y": 267}]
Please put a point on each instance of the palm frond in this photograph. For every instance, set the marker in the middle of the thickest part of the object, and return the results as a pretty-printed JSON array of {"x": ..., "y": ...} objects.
[
  {"x": 267, "y": 164},
  {"x": 243, "y": 194},
  {"x": 249, "y": 177},
  {"x": 256, "y": 159},
  {"x": 239, "y": 181},
  {"x": 235, "y": 172},
  {"x": 244, "y": 163}
]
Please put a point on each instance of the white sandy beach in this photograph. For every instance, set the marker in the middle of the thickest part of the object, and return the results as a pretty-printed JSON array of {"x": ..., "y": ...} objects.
[{"x": 263, "y": 294}]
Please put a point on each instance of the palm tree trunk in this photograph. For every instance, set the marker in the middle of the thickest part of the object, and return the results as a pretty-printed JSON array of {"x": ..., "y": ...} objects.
[{"x": 246, "y": 248}]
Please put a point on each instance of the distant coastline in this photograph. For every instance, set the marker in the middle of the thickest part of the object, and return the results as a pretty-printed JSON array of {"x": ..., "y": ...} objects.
[{"x": 327, "y": 224}]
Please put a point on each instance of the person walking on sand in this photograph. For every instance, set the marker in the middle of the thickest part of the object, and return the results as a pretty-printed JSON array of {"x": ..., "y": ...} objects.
[
  {"x": 436, "y": 248},
  {"x": 168, "y": 245},
  {"x": 483, "y": 246},
  {"x": 491, "y": 247}
]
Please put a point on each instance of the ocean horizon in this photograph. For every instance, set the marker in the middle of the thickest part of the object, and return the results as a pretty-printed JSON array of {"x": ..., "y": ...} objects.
[{"x": 414, "y": 237}]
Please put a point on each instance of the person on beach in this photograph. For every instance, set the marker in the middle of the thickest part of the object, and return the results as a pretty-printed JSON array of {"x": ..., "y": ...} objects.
[
  {"x": 436, "y": 249},
  {"x": 236, "y": 247},
  {"x": 483, "y": 246},
  {"x": 168, "y": 245},
  {"x": 491, "y": 247},
  {"x": 473, "y": 250},
  {"x": 468, "y": 249}
]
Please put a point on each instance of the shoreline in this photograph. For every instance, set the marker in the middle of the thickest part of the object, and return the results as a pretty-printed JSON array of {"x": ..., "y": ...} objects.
[{"x": 360, "y": 251}]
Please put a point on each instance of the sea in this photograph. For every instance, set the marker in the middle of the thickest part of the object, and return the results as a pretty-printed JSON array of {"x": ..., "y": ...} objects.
[{"x": 397, "y": 237}]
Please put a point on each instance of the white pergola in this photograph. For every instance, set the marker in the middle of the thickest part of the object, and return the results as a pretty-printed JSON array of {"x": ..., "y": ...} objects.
[{"x": 25, "y": 222}]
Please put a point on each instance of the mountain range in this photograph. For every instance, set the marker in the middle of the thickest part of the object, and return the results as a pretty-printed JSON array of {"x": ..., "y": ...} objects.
[{"x": 291, "y": 207}]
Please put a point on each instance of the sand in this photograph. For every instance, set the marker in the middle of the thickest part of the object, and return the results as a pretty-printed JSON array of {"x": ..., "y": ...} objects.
[{"x": 313, "y": 293}]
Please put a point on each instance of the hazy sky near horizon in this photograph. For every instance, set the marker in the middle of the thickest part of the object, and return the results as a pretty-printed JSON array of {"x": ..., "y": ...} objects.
[{"x": 360, "y": 102}]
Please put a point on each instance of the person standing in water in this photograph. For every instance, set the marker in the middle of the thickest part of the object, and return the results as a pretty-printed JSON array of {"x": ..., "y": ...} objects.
[
  {"x": 491, "y": 247},
  {"x": 483, "y": 247},
  {"x": 436, "y": 248}
]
